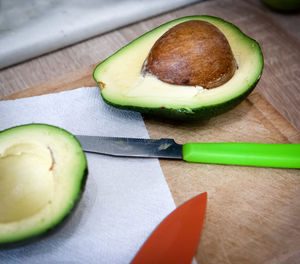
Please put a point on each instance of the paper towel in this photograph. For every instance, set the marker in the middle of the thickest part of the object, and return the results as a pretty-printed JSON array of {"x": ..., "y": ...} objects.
[{"x": 124, "y": 198}]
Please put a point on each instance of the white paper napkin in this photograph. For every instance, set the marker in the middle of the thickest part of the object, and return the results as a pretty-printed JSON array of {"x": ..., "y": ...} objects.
[{"x": 124, "y": 198}]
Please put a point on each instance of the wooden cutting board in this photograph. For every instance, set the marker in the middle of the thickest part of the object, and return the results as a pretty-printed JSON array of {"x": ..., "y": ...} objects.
[{"x": 253, "y": 214}]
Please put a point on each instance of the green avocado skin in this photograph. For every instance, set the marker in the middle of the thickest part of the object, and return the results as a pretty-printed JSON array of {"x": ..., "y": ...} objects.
[
  {"x": 202, "y": 112},
  {"x": 60, "y": 222},
  {"x": 186, "y": 115},
  {"x": 283, "y": 6}
]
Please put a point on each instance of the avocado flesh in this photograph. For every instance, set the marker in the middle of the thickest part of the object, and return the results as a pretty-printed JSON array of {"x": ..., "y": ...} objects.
[
  {"x": 123, "y": 85},
  {"x": 42, "y": 173}
]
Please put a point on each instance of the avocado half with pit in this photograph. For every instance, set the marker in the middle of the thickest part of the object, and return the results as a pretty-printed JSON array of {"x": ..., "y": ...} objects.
[
  {"x": 191, "y": 67},
  {"x": 42, "y": 174}
]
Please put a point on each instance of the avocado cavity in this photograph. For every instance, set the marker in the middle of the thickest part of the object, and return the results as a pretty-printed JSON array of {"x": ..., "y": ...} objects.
[
  {"x": 42, "y": 174},
  {"x": 26, "y": 181}
]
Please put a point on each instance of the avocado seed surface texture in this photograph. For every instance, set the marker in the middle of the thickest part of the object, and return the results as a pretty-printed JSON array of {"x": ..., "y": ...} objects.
[{"x": 192, "y": 53}]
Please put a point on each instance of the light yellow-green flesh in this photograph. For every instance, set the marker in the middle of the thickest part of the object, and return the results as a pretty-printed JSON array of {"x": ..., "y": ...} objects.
[
  {"x": 125, "y": 85},
  {"x": 41, "y": 168}
]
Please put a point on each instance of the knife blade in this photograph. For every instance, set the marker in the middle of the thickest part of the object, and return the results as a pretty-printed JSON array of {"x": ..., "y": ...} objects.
[
  {"x": 248, "y": 154},
  {"x": 176, "y": 238}
]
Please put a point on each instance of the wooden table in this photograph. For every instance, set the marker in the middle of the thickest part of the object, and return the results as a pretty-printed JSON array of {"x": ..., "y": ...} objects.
[{"x": 253, "y": 214}]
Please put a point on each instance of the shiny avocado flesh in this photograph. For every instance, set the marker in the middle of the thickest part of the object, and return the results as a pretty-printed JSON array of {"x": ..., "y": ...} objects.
[
  {"x": 42, "y": 174},
  {"x": 124, "y": 85}
]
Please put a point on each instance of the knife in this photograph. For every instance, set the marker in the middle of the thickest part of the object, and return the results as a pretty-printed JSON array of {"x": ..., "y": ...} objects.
[
  {"x": 176, "y": 238},
  {"x": 248, "y": 154}
]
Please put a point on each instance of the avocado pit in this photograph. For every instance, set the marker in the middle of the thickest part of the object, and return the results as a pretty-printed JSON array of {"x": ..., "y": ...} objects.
[{"x": 192, "y": 53}]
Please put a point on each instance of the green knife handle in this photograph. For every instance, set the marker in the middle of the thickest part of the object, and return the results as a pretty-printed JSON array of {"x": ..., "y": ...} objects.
[{"x": 249, "y": 154}]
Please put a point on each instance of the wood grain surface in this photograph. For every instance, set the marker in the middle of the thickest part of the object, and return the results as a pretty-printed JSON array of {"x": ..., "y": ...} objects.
[{"x": 253, "y": 214}]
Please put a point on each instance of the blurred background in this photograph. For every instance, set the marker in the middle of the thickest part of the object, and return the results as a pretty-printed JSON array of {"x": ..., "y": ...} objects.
[
  {"x": 44, "y": 39},
  {"x": 33, "y": 27}
]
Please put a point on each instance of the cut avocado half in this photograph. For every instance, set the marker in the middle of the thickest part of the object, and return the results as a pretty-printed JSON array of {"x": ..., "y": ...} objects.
[
  {"x": 284, "y": 6},
  {"x": 42, "y": 174},
  {"x": 125, "y": 84}
]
